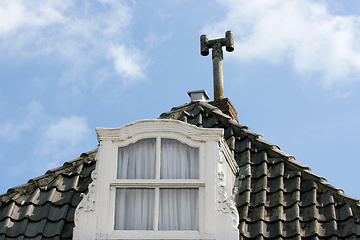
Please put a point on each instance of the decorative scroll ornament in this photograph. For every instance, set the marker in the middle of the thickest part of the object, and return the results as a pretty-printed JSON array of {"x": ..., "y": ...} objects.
[
  {"x": 87, "y": 204},
  {"x": 226, "y": 203}
]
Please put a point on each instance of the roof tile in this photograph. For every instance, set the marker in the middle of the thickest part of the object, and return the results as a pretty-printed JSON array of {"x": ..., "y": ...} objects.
[
  {"x": 53, "y": 228},
  {"x": 15, "y": 228},
  {"x": 35, "y": 228}
]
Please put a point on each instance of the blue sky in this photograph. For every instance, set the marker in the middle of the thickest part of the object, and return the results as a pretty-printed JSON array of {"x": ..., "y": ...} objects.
[{"x": 67, "y": 67}]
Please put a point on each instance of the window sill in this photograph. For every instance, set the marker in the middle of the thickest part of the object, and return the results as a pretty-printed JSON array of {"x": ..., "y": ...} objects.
[{"x": 159, "y": 235}]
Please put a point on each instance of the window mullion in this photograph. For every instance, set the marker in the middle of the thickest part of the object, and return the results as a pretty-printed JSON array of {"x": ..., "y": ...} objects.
[
  {"x": 156, "y": 210},
  {"x": 157, "y": 191},
  {"x": 158, "y": 154}
]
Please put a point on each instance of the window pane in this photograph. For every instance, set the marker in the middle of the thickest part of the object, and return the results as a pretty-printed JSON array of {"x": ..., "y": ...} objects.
[
  {"x": 134, "y": 209},
  {"x": 137, "y": 160},
  {"x": 178, "y": 160},
  {"x": 178, "y": 209}
]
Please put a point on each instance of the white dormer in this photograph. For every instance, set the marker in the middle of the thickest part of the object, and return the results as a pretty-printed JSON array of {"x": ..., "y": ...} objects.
[{"x": 160, "y": 179}]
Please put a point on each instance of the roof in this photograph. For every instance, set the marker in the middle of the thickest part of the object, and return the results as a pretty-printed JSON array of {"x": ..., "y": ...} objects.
[
  {"x": 44, "y": 207},
  {"x": 277, "y": 197}
]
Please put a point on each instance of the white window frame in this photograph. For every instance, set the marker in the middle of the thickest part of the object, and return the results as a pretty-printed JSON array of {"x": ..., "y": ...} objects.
[{"x": 158, "y": 183}]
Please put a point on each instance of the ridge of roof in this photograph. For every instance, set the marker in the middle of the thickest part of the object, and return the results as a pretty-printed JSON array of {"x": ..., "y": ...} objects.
[{"x": 193, "y": 108}]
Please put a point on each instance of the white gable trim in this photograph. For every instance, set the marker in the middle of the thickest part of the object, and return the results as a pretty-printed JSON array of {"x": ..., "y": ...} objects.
[{"x": 149, "y": 126}]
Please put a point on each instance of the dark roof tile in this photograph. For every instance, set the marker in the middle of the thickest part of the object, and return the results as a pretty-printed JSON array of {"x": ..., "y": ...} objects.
[
  {"x": 83, "y": 184},
  {"x": 275, "y": 184},
  {"x": 40, "y": 197},
  {"x": 70, "y": 214},
  {"x": 290, "y": 229},
  {"x": 210, "y": 122},
  {"x": 258, "y": 184},
  {"x": 307, "y": 185},
  {"x": 242, "y": 144},
  {"x": 325, "y": 198},
  {"x": 291, "y": 213},
  {"x": 39, "y": 212},
  {"x": 258, "y": 198},
  {"x": 343, "y": 211},
  {"x": 76, "y": 199},
  {"x": 35, "y": 228},
  {"x": 326, "y": 213},
  {"x": 61, "y": 198},
  {"x": 65, "y": 183},
  {"x": 57, "y": 213},
  {"x": 15, "y": 228},
  {"x": 243, "y": 158},
  {"x": 291, "y": 198},
  {"x": 274, "y": 199},
  {"x": 255, "y": 214},
  {"x": 275, "y": 169},
  {"x": 86, "y": 170},
  {"x": 4, "y": 224},
  {"x": 258, "y": 157},
  {"x": 20, "y": 212},
  {"x": 7, "y": 210},
  {"x": 292, "y": 184},
  {"x": 243, "y": 198},
  {"x": 308, "y": 198},
  {"x": 67, "y": 230},
  {"x": 308, "y": 213},
  {"x": 259, "y": 170},
  {"x": 53, "y": 228}
]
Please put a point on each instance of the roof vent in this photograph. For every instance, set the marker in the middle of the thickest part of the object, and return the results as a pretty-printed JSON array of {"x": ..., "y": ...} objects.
[{"x": 198, "y": 96}]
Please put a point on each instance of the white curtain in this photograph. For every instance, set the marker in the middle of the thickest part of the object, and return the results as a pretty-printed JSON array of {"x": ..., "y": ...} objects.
[
  {"x": 178, "y": 160},
  {"x": 134, "y": 209},
  {"x": 178, "y": 209},
  {"x": 137, "y": 160}
]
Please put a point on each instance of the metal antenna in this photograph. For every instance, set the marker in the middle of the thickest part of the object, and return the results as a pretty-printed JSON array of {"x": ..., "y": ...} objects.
[{"x": 217, "y": 57}]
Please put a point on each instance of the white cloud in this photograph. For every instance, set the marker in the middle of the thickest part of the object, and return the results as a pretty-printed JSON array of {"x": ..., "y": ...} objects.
[
  {"x": 72, "y": 34},
  {"x": 61, "y": 140},
  {"x": 129, "y": 62},
  {"x": 12, "y": 129},
  {"x": 154, "y": 39},
  {"x": 302, "y": 33},
  {"x": 15, "y": 14}
]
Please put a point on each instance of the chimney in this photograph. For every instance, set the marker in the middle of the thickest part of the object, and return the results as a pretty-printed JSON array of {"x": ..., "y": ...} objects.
[
  {"x": 226, "y": 107},
  {"x": 198, "y": 96}
]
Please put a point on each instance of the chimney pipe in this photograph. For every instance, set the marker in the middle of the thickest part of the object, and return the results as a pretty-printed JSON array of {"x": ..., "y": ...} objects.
[{"x": 217, "y": 57}]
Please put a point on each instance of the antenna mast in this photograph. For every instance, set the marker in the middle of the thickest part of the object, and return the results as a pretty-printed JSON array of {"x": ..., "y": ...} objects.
[{"x": 217, "y": 57}]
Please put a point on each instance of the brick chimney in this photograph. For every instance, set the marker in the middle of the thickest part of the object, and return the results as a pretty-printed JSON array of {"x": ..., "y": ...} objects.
[{"x": 226, "y": 107}]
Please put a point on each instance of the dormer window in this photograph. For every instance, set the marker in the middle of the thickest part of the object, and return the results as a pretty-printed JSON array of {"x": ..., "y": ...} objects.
[
  {"x": 160, "y": 179},
  {"x": 167, "y": 201}
]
